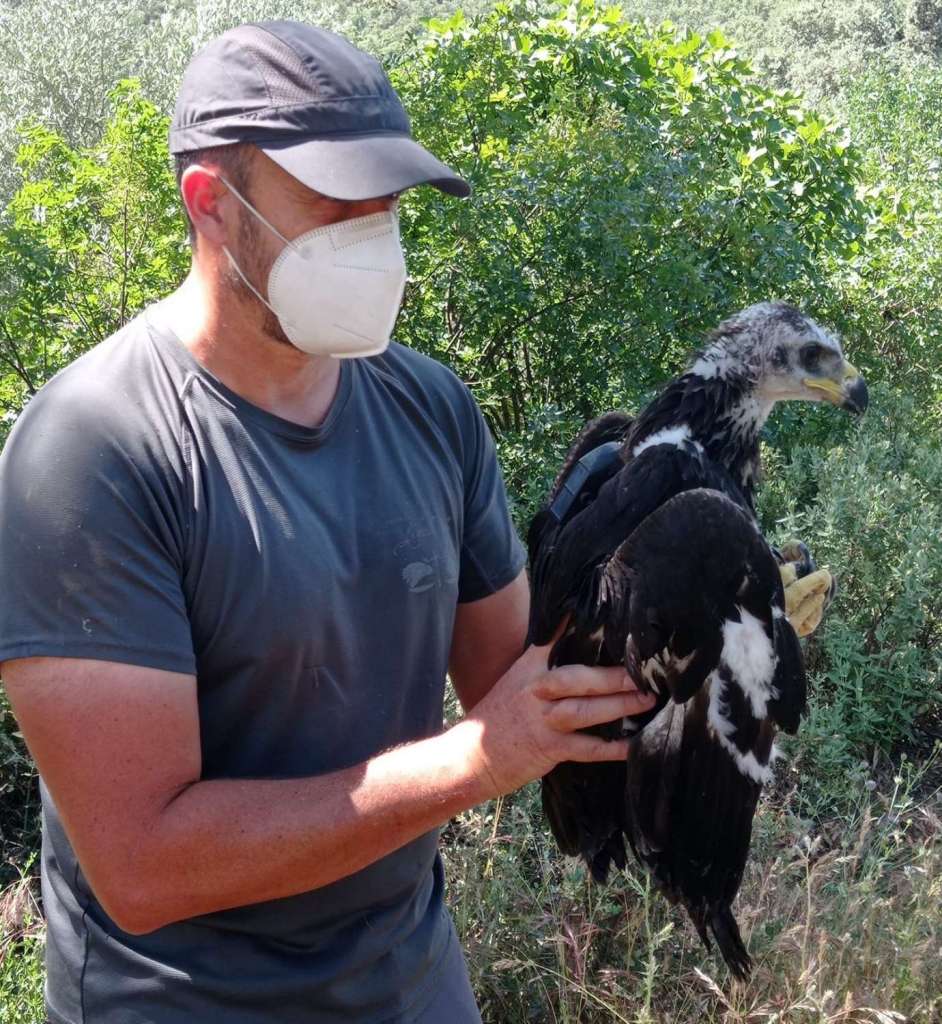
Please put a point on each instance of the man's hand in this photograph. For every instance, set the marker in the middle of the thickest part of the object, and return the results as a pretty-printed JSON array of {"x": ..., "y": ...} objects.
[
  {"x": 808, "y": 590},
  {"x": 528, "y": 723}
]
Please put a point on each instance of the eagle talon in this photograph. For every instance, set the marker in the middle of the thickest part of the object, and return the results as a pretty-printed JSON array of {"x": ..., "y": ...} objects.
[
  {"x": 796, "y": 553},
  {"x": 808, "y": 590},
  {"x": 807, "y": 598}
]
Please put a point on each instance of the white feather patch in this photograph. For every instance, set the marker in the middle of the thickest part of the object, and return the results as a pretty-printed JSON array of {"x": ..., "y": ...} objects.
[
  {"x": 653, "y": 669},
  {"x": 714, "y": 363},
  {"x": 660, "y": 666},
  {"x": 669, "y": 435},
  {"x": 748, "y": 653},
  {"x": 680, "y": 664},
  {"x": 747, "y": 763}
]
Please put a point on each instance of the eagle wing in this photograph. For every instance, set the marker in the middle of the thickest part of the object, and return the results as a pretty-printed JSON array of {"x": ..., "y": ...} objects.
[
  {"x": 584, "y": 803},
  {"x": 667, "y": 572},
  {"x": 567, "y": 558},
  {"x": 697, "y": 606}
]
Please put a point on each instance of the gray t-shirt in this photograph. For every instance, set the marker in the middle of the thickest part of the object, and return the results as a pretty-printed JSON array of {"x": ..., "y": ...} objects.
[{"x": 309, "y": 579}]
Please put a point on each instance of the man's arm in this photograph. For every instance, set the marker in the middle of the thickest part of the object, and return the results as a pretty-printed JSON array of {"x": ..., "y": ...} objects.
[
  {"x": 118, "y": 747},
  {"x": 489, "y": 635}
]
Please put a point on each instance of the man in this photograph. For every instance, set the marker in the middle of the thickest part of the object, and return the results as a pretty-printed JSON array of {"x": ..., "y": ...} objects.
[{"x": 236, "y": 566}]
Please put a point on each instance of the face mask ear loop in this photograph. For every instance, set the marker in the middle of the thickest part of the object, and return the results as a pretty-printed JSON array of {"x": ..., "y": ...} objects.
[
  {"x": 247, "y": 282},
  {"x": 270, "y": 227},
  {"x": 247, "y": 204}
]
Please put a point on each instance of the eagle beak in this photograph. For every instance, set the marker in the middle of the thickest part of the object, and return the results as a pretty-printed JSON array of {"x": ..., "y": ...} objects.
[{"x": 849, "y": 393}]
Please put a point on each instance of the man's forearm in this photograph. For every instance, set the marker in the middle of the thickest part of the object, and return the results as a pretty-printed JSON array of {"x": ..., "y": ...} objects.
[
  {"x": 118, "y": 747},
  {"x": 230, "y": 842}
]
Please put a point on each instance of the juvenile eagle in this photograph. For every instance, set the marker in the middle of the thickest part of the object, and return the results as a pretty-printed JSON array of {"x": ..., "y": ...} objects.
[{"x": 649, "y": 544}]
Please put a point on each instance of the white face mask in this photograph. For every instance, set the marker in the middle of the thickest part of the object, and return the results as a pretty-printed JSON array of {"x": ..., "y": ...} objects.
[{"x": 336, "y": 290}]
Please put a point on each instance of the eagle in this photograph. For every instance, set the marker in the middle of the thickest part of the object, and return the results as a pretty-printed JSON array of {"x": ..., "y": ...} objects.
[{"x": 649, "y": 550}]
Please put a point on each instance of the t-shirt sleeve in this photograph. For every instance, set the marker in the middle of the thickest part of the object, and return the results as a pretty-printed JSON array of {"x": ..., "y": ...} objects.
[
  {"x": 90, "y": 545},
  {"x": 491, "y": 552}
]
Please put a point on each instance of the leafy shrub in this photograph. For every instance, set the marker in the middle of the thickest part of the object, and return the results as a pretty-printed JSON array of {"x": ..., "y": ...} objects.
[
  {"x": 632, "y": 187},
  {"x": 91, "y": 236},
  {"x": 59, "y": 59},
  {"x": 815, "y": 47},
  {"x": 888, "y": 296},
  {"x": 19, "y": 801},
  {"x": 22, "y": 975},
  {"x": 870, "y": 507}
]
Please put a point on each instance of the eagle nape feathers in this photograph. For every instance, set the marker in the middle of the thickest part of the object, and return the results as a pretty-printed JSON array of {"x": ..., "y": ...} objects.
[{"x": 649, "y": 542}]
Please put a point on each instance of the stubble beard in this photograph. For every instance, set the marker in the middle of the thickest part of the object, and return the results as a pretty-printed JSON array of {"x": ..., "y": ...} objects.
[{"x": 252, "y": 260}]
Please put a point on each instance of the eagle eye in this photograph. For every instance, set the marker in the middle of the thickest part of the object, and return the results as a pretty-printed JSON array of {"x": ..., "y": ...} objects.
[{"x": 811, "y": 355}]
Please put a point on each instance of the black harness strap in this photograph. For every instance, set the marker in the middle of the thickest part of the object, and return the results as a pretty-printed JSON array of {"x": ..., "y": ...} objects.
[{"x": 592, "y": 468}]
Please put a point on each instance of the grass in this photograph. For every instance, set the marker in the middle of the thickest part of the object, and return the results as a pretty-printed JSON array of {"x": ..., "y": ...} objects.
[
  {"x": 21, "y": 924},
  {"x": 843, "y": 921},
  {"x": 21, "y": 951}
]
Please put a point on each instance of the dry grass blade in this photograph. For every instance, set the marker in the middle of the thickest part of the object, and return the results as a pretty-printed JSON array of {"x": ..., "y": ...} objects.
[{"x": 712, "y": 987}]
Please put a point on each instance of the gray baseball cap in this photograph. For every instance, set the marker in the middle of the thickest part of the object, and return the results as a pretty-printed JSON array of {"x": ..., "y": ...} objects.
[{"x": 320, "y": 108}]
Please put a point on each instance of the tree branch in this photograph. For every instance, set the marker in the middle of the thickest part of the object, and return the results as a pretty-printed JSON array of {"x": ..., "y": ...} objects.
[{"x": 11, "y": 357}]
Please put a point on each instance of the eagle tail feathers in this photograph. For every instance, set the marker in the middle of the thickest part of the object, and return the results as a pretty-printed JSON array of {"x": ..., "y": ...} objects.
[{"x": 726, "y": 932}]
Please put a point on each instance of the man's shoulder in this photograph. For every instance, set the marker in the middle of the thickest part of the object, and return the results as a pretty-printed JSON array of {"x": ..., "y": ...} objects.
[
  {"x": 439, "y": 396},
  {"x": 401, "y": 360},
  {"x": 95, "y": 373},
  {"x": 108, "y": 397},
  {"x": 433, "y": 384}
]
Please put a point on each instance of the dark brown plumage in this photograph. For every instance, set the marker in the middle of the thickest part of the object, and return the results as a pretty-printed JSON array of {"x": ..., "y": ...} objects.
[{"x": 649, "y": 543}]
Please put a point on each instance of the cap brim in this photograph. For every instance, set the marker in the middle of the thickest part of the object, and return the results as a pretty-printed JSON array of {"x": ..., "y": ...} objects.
[{"x": 366, "y": 167}]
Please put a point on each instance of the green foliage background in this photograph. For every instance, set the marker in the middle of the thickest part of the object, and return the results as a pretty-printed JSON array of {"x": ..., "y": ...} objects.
[{"x": 634, "y": 182}]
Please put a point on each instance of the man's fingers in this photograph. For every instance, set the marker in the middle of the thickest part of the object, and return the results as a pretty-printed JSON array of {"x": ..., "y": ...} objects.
[
  {"x": 573, "y": 713},
  {"x": 580, "y": 747},
  {"x": 584, "y": 681}
]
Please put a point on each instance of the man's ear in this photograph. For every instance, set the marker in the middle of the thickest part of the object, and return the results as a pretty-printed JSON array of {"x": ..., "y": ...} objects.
[{"x": 205, "y": 196}]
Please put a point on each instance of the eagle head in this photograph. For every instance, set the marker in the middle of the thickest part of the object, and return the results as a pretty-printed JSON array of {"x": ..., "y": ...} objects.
[{"x": 781, "y": 354}]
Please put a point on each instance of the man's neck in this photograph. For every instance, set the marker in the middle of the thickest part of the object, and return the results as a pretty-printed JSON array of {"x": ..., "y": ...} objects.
[{"x": 277, "y": 377}]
